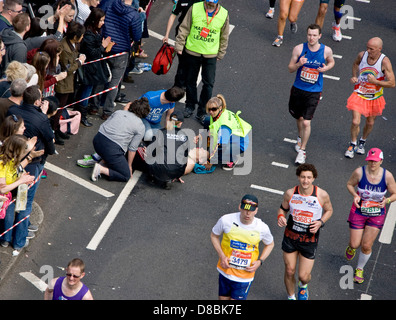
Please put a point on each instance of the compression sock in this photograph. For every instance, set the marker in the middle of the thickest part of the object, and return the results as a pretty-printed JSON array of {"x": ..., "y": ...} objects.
[{"x": 363, "y": 258}]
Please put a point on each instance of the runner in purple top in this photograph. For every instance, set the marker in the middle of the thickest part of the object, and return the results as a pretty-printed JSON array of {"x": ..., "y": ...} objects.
[{"x": 69, "y": 287}]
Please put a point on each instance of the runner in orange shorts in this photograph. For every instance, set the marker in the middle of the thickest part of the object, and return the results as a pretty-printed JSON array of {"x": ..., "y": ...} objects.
[{"x": 371, "y": 73}]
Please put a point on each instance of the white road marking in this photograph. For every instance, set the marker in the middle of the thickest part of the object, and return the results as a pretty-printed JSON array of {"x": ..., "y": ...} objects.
[
  {"x": 115, "y": 209},
  {"x": 266, "y": 189},
  {"x": 278, "y": 164},
  {"x": 331, "y": 77},
  {"x": 389, "y": 225},
  {"x": 78, "y": 180},
  {"x": 353, "y": 18},
  {"x": 364, "y": 1},
  {"x": 337, "y": 56},
  {"x": 290, "y": 140},
  {"x": 365, "y": 297},
  {"x": 346, "y": 37},
  {"x": 37, "y": 282}
]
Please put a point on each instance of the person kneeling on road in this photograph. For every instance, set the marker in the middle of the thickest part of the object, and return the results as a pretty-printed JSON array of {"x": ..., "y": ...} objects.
[
  {"x": 118, "y": 139},
  {"x": 170, "y": 156}
]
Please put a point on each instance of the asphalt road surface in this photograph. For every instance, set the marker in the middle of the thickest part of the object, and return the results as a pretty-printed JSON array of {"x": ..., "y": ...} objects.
[{"x": 154, "y": 243}]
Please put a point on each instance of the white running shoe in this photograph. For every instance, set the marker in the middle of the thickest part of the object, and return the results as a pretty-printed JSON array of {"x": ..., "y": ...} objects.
[
  {"x": 270, "y": 13},
  {"x": 301, "y": 156},
  {"x": 337, "y": 35},
  {"x": 360, "y": 147},
  {"x": 350, "y": 152},
  {"x": 87, "y": 162}
]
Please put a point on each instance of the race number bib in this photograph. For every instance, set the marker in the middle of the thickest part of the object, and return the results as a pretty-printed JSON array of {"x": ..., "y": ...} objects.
[
  {"x": 370, "y": 208},
  {"x": 240, "y": 260},
  {"x": 302, "y": 220},
  {"x": 367, "y": 90},
  {"x": 309, "y": 75}
]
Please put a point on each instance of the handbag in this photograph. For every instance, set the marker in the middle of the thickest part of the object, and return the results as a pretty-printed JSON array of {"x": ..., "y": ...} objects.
[
  {"x": 5, "y": 205},
  {"x": 163, "y": 59},
  {"x": 70, "y": 121}
]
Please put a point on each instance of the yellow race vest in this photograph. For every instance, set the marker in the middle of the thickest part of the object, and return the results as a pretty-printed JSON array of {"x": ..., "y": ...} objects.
[{"x": 204, "y": 38}]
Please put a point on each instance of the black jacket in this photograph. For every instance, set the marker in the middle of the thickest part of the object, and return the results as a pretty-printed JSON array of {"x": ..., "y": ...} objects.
[
  {"x": 37, "y": 124},
  {"x": 97, "y": 72}
]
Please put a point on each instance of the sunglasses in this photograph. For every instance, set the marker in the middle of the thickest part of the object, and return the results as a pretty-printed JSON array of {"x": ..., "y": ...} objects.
[
  {"x": 72, "y": 275},
  {"x": 213, "y": 109}
]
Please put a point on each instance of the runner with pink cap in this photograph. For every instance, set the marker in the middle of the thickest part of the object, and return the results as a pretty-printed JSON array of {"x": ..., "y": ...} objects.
[{"x": 368, "y": 185}]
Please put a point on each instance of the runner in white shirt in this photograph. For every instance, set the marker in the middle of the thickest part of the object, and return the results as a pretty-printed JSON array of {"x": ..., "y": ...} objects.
[{"x": 239, "y": 249}]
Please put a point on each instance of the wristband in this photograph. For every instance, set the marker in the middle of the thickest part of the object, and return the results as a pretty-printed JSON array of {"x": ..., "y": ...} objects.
[
  {"x": 389, "y": 201},
  {"x": 280, "y": 214}
]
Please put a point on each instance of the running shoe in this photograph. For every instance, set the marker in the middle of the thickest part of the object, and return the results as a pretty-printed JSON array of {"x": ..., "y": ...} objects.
[
  {"x": 302, "y": 292},
  {"x": 95, "y": 172},
  {"x": 337, "y": 35},
  {"x": 298, "y": 144},
  {"x": 270, "y": 13},
  {"x": 350, "y": 253},
  {"x": 360, "y": 147},
  {"x": 87, "y": 162},
  {"x": 350, "y": 152},
  {"x": 293, "y": 27},
  {"x": 278, "y": 41},
  {"x": 301, "y": 156},
  {"x": 358, "y": 278},
  {"x": 136, "y": 70},
  {"x": 230, "y": 165}
]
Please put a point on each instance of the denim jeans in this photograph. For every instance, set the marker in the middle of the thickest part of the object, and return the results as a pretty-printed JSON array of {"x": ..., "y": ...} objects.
[
  {"x": 20, "y": 232},
  {"x": 208, "y": 79},
  {"x": 150, "y": 129},
  {"x": 117, "y": 67}
]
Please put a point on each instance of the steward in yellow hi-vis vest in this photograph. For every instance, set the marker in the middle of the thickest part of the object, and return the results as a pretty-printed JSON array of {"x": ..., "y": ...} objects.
[
  {"x": 202, "y": 40},
  {"x": 239, "y": 248},
  {"x": 204, "y": 37}
]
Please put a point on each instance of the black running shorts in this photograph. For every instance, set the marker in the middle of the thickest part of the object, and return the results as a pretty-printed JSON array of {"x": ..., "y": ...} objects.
[
  {"x": 303, "y": 103},
  {"x": 307, "y": 249}
]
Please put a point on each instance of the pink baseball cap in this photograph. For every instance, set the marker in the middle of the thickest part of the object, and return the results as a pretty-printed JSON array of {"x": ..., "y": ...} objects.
[{"x": 375, "y": 154}]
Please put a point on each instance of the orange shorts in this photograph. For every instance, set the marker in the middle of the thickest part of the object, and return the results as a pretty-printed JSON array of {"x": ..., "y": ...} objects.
[{"x": 368, "y": 108}]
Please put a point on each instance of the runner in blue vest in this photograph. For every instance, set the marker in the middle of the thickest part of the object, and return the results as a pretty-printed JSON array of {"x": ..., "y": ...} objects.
[{"x": 309, "y": 60}]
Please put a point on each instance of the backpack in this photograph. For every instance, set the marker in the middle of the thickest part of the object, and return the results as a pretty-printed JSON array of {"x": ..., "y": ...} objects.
[{"x": 163, "y": 59}]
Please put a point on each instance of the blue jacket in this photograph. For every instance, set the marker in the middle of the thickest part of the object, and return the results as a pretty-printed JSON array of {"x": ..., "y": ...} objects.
[{"x": 123, "y": 25}]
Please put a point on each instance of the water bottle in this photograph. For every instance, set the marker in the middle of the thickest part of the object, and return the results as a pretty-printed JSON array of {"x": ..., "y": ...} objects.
[{"x": 144, "y": 66}]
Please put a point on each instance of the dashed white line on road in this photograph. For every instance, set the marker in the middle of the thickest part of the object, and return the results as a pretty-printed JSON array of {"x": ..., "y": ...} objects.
[
  {"x": 331, "y": 77},
  {"x": 337, "y": 56},
  {"x": 290, "y": 140},
  {"x": 266, "y": 189},
  {"x": 278, "y": 164},
  {"x": 353, "y": 18},
  {"x": 78, "y": 180},
  {"x": 115, "y": 209}
]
